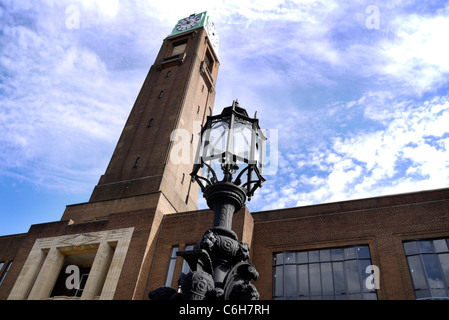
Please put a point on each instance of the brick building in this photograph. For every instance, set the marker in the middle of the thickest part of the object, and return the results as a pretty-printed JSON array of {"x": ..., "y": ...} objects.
[{"x": 123, "y": 242}]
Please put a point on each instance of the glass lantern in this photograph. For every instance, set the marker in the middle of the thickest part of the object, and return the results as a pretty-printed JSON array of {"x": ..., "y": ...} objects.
[{"x": 231, "y": 151}]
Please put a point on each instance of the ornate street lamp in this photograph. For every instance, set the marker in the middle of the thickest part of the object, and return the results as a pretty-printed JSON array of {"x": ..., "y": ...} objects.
[
  {"x": 229, "y": 162},
  {"x": 228, "y": 169}
]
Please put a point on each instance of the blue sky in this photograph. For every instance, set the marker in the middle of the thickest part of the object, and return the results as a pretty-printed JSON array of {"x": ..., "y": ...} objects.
[{"x": 357, "y": 91}]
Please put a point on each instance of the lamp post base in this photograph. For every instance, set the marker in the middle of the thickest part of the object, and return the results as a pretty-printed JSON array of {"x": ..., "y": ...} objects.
[{"x": 219, "y": 263}]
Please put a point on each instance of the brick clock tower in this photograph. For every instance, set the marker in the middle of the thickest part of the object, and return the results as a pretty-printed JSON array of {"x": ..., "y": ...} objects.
[
  {"x": 112, "y": 240},
  {"x": 177, "y": 95}
]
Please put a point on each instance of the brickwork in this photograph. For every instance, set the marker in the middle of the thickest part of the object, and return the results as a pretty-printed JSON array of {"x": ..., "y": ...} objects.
[
  {"x": 9, "y": 247},
  {"x": 383, "y": 223},
  {"x": 176, "y": 97}
]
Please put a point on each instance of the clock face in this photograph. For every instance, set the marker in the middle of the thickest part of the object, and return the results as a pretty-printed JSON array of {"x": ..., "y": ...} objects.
[
  {"x": 212, "y": 34},
  {"x": 188, "y": 23}
]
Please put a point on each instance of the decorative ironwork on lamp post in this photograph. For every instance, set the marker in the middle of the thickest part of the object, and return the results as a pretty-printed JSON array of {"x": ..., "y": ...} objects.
[{"x": 228, "y": 169}]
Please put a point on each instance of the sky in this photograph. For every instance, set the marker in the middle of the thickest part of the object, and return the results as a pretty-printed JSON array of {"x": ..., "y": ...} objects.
[{"x": 357, "y": 92}]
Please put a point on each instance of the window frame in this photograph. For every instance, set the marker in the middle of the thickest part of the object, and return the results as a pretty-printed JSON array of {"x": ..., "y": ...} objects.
[
  {"x": 5, "y": 270},
  {"x": 185, "y": 266},
  {"x": 171, "y": 266},
  {"x": 209, "y": 61},
  {"x": 179, "y": 47},
  {"x": 417, "y": 253},
  {"x": 348, "y": 262}
]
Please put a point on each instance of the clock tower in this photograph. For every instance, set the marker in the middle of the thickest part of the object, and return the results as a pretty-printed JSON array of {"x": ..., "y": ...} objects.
[{"x": 151, "y": 164}]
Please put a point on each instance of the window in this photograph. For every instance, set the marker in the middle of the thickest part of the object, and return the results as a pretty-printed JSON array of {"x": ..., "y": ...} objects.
[
  {"x": 161, "y": 94},
  {"x": 208, "y": 61},
  {"x": 337, "y": 273},
  {"x": 137, "y": 162},
  {"x": 150, "y": 123},
  {"x": 168, "y": 74},
  {"x": 171, "y": 267},
  {"x": 3, "y": 275},
  {"x": 428, "y": 263},
  {"x": 185, "y": 266},
  {"x": 179, "y": 47}
]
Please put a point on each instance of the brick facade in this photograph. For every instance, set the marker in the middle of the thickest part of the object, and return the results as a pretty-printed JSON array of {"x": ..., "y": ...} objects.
[{"x": 383, "y": 223}]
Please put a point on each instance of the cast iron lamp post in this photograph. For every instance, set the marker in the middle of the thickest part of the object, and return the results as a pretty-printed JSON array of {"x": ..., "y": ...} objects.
[
  {"x": 228, "y": 169},
  {"x": 230, "y": 157}
]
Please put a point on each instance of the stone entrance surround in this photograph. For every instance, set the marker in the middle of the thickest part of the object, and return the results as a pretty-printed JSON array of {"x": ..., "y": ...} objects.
[{"x": 46, "y": 258}]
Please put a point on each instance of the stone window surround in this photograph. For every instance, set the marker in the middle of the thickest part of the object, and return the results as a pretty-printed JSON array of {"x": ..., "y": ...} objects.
[{"x": 45, "y": 260}]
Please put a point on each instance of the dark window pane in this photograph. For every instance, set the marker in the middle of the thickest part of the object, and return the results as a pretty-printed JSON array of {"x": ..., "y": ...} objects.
[
  {"x": 349, "y": 253},
  {"x": 363, "y": 252},
  {"x": 289, "y": 257},
  {"x": 290, "y": 280},
  {"x": 440, "y": 245},
  {"x": 325, "y": 255},
  {"x": 411, "y": 248},
  {"x": 369, "y": 296},
  {"x": 326, "y": 279},
  {"x": 303, "y": 280},
  {"x": 337, "y": 254},
  {"x": 179, "y": 48},
  {"x": 339, "y": 278},
  {"x": 302, "y": 257},
  {"x": 355, "y": 296},
  {"x": 425, "y": 246},
  {"x": 422, "y": 294},
  {"x": 352, "y": 276},
  {"x": 171, "y": 267},
  {"x": 434, "y": 276},
  {"x": 444, "y": 262},
  {"x": 438, "y": 292},
  {"x": 315, "y": 279},
  {"x": 278, "y": 281},
  {"x": 314, "y": 256},
  {"x": 417, "y": 272}
]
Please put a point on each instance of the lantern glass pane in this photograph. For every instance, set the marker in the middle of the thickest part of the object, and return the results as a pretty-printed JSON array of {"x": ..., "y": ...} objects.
[
  {"x": 242, "y": 139},
  {"x": 231, "y": 145},
  {"x": 261, "y": 140},
  {"x": 216, "y": 139}
]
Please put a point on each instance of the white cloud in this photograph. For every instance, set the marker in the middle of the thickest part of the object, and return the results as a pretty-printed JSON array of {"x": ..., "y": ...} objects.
[
  {"x": 408, "y": 154},
  {"x": 62, "y": 106},
  {"x": 418, "y": 57}
]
